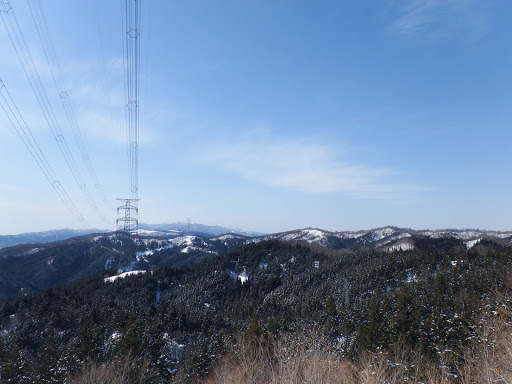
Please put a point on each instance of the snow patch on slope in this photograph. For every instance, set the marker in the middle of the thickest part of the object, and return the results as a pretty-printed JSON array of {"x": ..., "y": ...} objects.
[
  {"x": 191, "y": 243},
  {"x": 144, "y": 254},
  {"x": 13, "y": 322},
  {"x": 186, "y": 241},
  {"x": 228, "y": 236},
  {"x": 471, "y": 243},
  {"x": 401, "y": 247},
  {"x": 243, "y": 277},
  {"x": 380, "y": 234},
  {"x": 31, "y": 252},
  {"x": 309, "y": 235},
  {"x": 122, "y": 276}
]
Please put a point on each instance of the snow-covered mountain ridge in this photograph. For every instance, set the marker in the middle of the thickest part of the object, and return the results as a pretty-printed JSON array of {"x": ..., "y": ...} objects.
[
  {"x": 191, "y": 248},
  {"x": 389, "y": 238},
  {"x": 386, "y": 238},
  {"x": 32, "y": 267},
  {"x": 374, "y": 238}
]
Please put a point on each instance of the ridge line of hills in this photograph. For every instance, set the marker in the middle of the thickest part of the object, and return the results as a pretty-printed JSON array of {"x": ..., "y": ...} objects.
[
  {"x": 165, "y": 228},
  {"x": 29, "y": 268},
  {"x": 180, "y": 228}
]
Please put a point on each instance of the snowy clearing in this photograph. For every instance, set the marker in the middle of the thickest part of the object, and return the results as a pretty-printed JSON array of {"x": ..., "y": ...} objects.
[{"x": 122, "y": 276}]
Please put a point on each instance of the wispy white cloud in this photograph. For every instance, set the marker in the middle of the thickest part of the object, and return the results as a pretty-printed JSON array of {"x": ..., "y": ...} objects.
[
  {"x": 98, "y": 94},
  {"x": 306, "y": 166},
  {"x": 441, "y": 18}
]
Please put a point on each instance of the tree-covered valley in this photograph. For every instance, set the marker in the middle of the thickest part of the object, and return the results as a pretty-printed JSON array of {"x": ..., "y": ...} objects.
[{"x": 176, "y": 324}]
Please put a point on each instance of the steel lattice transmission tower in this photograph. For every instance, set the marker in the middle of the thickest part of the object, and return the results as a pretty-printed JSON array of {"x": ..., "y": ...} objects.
[
  {"x": 130, "y": 209},
  {"x": 131, "y": 47}
]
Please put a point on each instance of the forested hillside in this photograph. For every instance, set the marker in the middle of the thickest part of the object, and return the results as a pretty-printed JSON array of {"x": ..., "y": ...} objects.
[
  {"x": 26, "y": 269},
  {"x": 29, "y": 268},
  {"x": 174, "y": 323}
]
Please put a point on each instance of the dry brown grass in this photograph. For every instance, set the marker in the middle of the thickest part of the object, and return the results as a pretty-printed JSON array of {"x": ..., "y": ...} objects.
[
  {"x": 92, "y": 373},
  {"x": 309, "y": 360},
  {"x": 125, "y": 370},
  {"x": 490, "y": 359}
]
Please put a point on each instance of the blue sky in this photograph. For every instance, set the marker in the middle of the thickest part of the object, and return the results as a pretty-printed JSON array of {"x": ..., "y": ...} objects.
[{"x": 276, "y": 115}]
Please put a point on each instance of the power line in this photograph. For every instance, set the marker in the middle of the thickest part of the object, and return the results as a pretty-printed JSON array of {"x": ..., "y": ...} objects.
[
  {"x": 145, "y": 105},
  {"x": 132, "y": 73},
  {"x": 146, "y": 71},
  {"x": 17, "y": 39},
  {"x": 131, "y": 52},
  {"x": 25, "y": 134},
  {"x": 103, "y": 62},
  {"x": 46, "y": 39}
]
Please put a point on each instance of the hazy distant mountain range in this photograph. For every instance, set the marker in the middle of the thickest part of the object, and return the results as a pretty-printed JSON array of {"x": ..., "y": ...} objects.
[
  {"x": 44, "y": 236},
  {"x": 192, "y": 228},
  {"x": 166, "y": 229}
]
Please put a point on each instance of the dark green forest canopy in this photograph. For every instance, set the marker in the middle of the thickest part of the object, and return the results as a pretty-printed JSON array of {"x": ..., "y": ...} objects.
[{"x": 362, "y": 299}]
